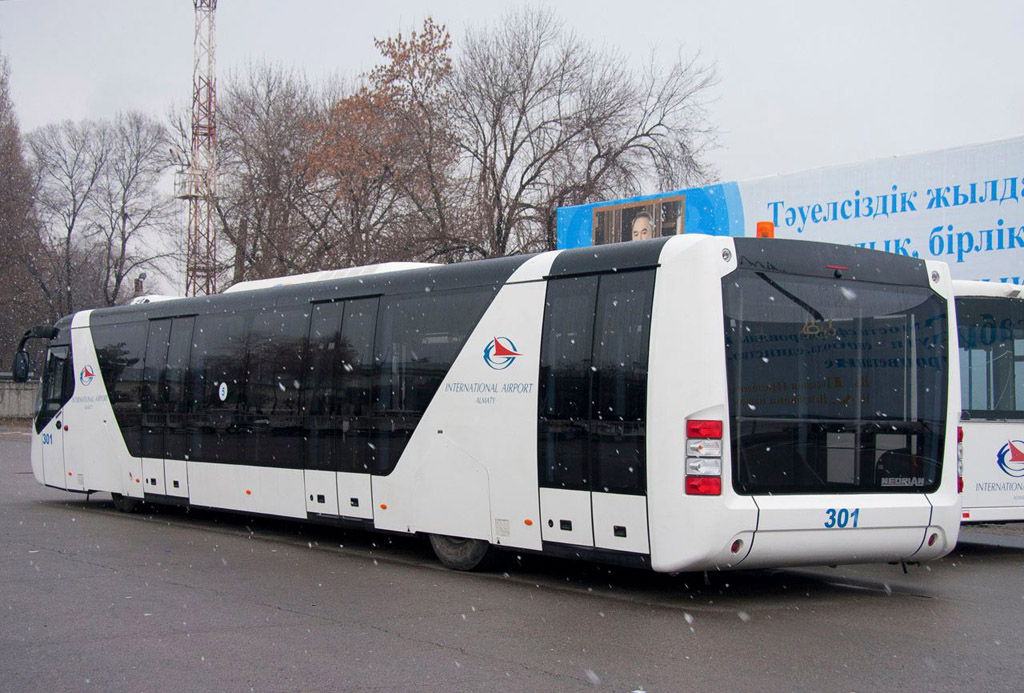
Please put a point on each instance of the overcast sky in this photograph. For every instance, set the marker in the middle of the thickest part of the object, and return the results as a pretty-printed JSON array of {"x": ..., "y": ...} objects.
[{"x": 802, "y": 84}]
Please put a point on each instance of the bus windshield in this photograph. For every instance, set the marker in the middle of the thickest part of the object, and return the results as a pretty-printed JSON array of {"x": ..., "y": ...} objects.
[
  {"x": 991, "y": 335},
  {"x": 834, "y": 386}
]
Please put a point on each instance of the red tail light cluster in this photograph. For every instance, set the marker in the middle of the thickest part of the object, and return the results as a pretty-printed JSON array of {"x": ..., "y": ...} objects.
[
  {"x": 703, "y": 458},
  {"x": 959, "y": 459}
]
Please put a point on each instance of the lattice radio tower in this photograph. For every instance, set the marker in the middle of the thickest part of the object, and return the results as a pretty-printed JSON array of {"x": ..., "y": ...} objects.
[{"x": 198, "y": 184}]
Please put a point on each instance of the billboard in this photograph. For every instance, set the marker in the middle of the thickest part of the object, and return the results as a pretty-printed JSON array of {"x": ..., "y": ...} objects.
[{"x": 962, "y": 206}]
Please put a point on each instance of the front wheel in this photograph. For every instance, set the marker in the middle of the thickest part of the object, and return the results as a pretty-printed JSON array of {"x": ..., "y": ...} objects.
[
  {"x": 458, "y": 553},
  {"x": 124, "y": 503}
]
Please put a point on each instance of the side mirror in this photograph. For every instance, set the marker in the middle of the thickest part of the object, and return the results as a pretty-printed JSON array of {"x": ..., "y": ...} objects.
[{"x": 22, "y": 365}]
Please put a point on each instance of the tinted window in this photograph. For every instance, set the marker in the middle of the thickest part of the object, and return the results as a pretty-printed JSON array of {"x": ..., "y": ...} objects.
[
  {"x": 834, "y": 386},
  {"x": 991, "y": 335},
  {"x": 219, "y": 425},
  {"x": 57, "y": 386},
  {"x": 175, "y": 385},
  {"x": 120, "y": 350},
  {"x": 154, "y": 392},
  {"x": 564, "y": 392},
  {"x": 618, "y": 414},
  {"x": 593, "y": 382},
  {"x": 322, "y": 391},
  {"x": 338, "y": 396},
  {"x": 356, "y": 452},
  {"x": 418, "y": 337},
  {"x": 277, "y": 343}
]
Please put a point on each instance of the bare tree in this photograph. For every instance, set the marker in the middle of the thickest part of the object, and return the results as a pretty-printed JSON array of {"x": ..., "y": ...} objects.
[
  {"x": 274, "y": 212},
  {"x": 132, "y": 216},
  {"x": 68, "y": 160},
  {"x": 545, "y": 121}
]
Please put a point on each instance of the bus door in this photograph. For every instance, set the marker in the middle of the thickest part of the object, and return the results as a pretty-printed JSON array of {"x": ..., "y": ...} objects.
[
  {"x": 593, "y": 405},
  {"x": 165, "y": 405},
  {"x": 339, "y": 450},
  {"x": 52, "y": 420}
]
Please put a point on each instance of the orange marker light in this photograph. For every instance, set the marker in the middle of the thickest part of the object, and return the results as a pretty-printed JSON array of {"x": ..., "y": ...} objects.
[
  {"x": 248, "y": 492},
  {"x": 765, "y": 229},
  {"x": 383, "y": 506},
  {"x": 528, "y": 522}
]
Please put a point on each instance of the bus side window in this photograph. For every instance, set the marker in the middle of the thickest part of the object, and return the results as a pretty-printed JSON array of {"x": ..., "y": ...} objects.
[
  {"x": 219, "y": 428},
  {"x": 277, "y": 345},
  {"x": 619, "y": 405},
  {"x": 565, "y": 383},
  {"x": 354, "y": 381},
  {"x": 418, "y": 337},
  {"x": 120, "y": 350},
  {"x": 58, "y": 384},
  {"x": 153, "y": 396},
  {"x": 320, "y": 394},
  {"x": 175, "y": 387}
]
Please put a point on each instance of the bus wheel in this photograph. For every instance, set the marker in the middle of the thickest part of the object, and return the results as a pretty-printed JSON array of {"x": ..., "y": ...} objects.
[
  {"x": 124, "y": 503},
  {"x": 459, "y": 554}
]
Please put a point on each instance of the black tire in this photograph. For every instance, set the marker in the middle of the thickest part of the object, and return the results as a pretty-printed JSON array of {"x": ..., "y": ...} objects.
[
  {"x": 124, "y": 503},
  {"x": 458, "y": 553}
]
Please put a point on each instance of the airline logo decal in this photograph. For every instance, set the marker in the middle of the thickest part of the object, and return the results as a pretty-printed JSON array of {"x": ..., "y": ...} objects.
[
  {"x": 500, "y": 353},
  {"x": 1011, "y": 458},
  {"x": 86, "y": 375}
]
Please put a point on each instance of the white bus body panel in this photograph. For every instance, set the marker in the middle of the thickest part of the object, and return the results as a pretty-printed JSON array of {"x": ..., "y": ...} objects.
[
  {"x": 566, "y": 517},
  {"x": 791, "y": 529},
  {"x": 476, "y": 446},
  {"x": 51, "y": 452},
  {"x": 946, "y": 502},
  {"x": 321, "y": 491},
  {"x": 100, "y": 460},
  {"x": 176, "y": 478},
  {"x": 990, "y": 493},
  {"x": 266, "y": 490},
  {"x": 622, "y": 513},
  {"x": 153, "y": 476},
  {"x": 687, "y": 361},
  {"x": 37, "y": 456},
  {"x": 355, "y": 495}
]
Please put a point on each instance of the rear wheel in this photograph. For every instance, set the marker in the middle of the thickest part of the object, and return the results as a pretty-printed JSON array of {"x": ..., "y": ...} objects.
[
  {"x": 124, "y": 503},
  {"x": 458, "y": 553}
]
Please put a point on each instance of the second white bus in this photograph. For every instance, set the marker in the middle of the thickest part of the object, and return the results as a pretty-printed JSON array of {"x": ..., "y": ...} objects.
[{"x": 990, "y": 323}]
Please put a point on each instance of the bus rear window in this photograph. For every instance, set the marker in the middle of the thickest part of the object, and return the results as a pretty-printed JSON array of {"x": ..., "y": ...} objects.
[{"x": 834, "y": 386}]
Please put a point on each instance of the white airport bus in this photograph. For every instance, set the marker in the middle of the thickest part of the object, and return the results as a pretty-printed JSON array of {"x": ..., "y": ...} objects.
[
  {"x": 685, "y": 403},
  {"x": 990, "y": 322}
]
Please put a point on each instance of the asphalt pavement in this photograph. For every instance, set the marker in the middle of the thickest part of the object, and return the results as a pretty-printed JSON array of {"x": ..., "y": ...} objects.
[{"x": 170, "y": 600}]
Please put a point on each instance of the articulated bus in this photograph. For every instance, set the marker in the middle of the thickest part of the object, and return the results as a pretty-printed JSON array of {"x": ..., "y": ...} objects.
[
  {"x": 990, "y": 322},
  {"x": 685, "y": 403}
]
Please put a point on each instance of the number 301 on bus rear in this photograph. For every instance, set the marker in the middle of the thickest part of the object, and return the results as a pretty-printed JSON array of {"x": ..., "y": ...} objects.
[{"x": 841, "y": 518}]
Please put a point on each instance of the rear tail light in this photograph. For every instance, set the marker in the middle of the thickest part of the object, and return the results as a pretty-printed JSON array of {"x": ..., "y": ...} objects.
[
  {"x": 704, "y": 429},
  {"x": 959, "y": 459},
  {"x": 703, "y": 485},
  {"x": 703, "y": 458}
]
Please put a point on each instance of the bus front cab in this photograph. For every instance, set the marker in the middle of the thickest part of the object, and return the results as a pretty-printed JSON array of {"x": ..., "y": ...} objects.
[{"x": 55, "y": 390}]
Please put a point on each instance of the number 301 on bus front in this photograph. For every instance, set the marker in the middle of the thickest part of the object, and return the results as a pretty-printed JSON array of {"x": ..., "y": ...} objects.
[{"x": 841, "y": 518}]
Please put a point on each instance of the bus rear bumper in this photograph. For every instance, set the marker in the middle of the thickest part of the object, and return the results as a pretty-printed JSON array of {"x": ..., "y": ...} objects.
[
  {"x": 843, "y": 546},
  {"x": 1013, "y": 513}
]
